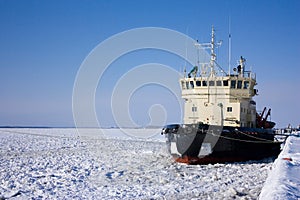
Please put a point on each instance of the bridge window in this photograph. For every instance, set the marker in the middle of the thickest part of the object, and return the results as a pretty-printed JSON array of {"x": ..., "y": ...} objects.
[
  {"x": 198, "y": 83},
  {"x": 229, "y": 109},
  {"x": 211, "y": 83},
  {"x": 187, "y": 85},
  {"x": 192, "y": 84},
  {"x": 232, "y": 84},
  {"x": 219, "y": 83},
  {"x": 239, "y": 84},
  {"x": 183, "y": 85},
  {"x": 204, "y": 83},
  {"x": 246, "y": 84},
  {"x": 225, "y": 83}
]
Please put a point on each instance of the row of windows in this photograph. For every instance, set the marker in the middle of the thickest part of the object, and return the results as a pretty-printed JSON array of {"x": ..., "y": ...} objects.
[
  {"x": 239, "y": 84},
  {"x": 234, "y": 84},
  {"x": 229, "y": 109},
  {"x": 243, "y": 110},
  {"x": 194, "y": 109}
]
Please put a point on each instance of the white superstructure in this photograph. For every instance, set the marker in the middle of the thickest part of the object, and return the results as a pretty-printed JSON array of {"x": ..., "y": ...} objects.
[{"x": 214, "y": 97}]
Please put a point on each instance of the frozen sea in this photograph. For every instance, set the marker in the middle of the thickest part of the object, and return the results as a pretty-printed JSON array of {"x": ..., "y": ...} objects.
[{"x": 64, "y": 164}]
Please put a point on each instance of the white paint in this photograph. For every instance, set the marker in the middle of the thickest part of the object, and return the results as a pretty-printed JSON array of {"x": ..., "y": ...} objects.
[
  {"x": 205, "y": 149},
  {"x": 174, "y": 149}
]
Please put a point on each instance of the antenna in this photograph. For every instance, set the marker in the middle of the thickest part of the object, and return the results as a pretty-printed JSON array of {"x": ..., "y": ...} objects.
[
  {"x": 212, "y": 46},
  {"x": 198, "y": 56},
  {"x": 186, "y": 51},
  {"x": 229, "y": 46}
]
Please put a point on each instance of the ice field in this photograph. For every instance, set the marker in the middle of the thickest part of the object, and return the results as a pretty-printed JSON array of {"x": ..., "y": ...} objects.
[{"x": 62, "y": 164}]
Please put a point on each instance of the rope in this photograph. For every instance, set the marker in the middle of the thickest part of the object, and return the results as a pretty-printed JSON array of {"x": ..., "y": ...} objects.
[
  {"x": 250, "y": 141},
  {"x": 252, "y": 136}
]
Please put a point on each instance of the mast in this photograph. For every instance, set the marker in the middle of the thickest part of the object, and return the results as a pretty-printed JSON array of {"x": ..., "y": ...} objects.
[
  {"x": 212, "y": 52},
  {"x": 229, "y": 48},
  {"x": 212, "y": 45}
]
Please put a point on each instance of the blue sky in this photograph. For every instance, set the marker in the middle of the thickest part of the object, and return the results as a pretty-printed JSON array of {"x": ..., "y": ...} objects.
[{"x": 43, "y": 43}]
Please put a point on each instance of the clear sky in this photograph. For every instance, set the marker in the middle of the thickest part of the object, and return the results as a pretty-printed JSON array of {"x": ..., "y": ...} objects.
[{"x": 43, "y": 43}]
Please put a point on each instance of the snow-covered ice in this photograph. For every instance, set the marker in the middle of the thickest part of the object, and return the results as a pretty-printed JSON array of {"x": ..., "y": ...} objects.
[
  {"x": 283, "y": 181},
  {"x": 60, "y": 164}
]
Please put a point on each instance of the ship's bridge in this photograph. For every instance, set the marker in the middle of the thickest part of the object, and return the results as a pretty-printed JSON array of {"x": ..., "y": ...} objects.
[
  {"x": 241, "y": 86},
  {"x": 203, "y": 96}
]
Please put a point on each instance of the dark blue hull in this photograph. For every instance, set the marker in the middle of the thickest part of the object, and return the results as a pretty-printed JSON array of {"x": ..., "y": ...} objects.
[{"x": 203, "y": 144}]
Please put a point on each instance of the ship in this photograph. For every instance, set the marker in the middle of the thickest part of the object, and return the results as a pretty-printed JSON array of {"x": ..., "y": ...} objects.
[{"x": 220, "y": 120}]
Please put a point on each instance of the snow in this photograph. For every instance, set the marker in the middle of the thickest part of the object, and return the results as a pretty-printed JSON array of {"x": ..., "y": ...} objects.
[
  {"x": 86, "y": 164},
  {"x": 283, "y": 181}
]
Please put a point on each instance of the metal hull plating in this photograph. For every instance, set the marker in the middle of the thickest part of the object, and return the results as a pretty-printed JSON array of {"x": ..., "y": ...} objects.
[{"x": 203, "y": 144}]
